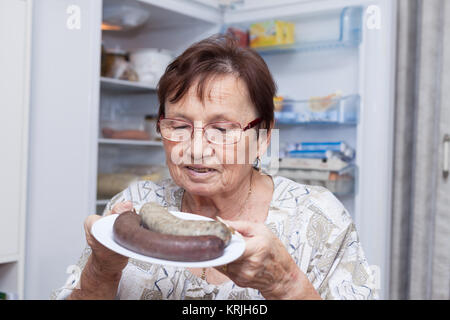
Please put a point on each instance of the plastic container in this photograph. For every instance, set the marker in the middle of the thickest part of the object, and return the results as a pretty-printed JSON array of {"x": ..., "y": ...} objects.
[
  {"x": 321, "y": 150},
  {"x": 150, "y": 63},
  {"x": 341, "y": 183},
  {"x": 343, "y": 110}
]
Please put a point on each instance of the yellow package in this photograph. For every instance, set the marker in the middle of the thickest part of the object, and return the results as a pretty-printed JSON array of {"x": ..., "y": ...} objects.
[
  {"x": 278, "y": 103},
  {"x": 271, "y": 33}
]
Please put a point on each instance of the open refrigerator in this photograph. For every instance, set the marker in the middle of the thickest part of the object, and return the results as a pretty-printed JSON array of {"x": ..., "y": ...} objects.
[
  {"x": 334, "y": 109},
  {"x": 335, "y": 85}
]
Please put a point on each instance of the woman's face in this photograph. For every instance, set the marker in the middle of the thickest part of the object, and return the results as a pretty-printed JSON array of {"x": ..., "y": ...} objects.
[{"x": 199, "y": 166}]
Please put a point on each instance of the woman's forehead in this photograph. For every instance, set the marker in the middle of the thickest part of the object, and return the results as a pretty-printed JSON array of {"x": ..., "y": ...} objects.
[{"x": 226, "y": 95}]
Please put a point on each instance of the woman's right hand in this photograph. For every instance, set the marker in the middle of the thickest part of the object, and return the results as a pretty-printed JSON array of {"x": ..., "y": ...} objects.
[
  {"x": 106, "y": 261},
  {"x": 101, "y": 275}
]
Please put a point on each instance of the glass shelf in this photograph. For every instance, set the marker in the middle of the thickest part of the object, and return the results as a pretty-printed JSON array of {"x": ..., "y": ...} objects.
[
  {"x": 125, "y": 86},
  {"x": 341, "y": 111},
  {"x": 150, "y": 143},
  {"x": 350, "y": 35}
]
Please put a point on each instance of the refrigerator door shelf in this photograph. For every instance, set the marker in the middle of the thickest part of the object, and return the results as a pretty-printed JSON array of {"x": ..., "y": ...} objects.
[
  {"x": 306, "y": 47},
  {"x": 341, "y": 183},
  {"x": 342, "y": 111},
  {"x": 333, "y": 164},
  {"x": 349, "y": 34}
]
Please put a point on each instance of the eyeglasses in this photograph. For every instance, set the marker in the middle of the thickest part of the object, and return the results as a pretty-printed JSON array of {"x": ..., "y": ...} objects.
[{"x": 222, "y": 132}]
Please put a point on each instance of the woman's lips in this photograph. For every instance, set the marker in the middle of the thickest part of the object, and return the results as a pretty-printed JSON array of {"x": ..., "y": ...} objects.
[{"x": 199, "y": 171}]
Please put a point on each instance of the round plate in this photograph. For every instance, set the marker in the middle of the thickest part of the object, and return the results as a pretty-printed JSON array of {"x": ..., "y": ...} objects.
[{"x": 102, "y": 230}]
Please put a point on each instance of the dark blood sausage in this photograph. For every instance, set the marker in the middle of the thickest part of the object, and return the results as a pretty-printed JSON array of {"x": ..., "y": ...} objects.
[{"x": 129, "y": 233}]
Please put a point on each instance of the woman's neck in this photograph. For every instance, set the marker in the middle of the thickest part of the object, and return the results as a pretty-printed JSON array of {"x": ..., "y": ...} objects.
[{"x": 228, "y": 205}]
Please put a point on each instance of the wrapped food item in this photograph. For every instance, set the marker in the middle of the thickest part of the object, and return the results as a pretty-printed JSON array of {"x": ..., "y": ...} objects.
[
  {"x": 125, "y": 134},
  {"x": 320, "y": 104},
  {"x": 115, "y": 65},
  {"x": 271, "y": 33},
  {"x": 240, "y": 35},
  {"x": 153, "y": 173},
  {"x": 110, "y": 184},
  {"x": 278, "y": 103},
  {"x": 322, "y": 150}
]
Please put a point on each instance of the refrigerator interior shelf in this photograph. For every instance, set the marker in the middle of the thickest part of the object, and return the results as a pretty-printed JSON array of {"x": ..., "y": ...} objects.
[
  {"x": 149, "y": 143},
  {"x": 125, "y": 86},
  {"x": 342, "y": 111},
  {"x": 341, "y": 183}
]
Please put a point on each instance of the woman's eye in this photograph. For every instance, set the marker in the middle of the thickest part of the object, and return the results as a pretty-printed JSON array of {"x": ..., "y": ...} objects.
[
  {"x": 180, "y": 127},
  {"x": 222, "y": 130}
]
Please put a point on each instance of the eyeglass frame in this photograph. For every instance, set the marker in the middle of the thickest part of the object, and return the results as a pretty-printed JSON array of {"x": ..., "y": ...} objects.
[{"x": 250, "y": 125}]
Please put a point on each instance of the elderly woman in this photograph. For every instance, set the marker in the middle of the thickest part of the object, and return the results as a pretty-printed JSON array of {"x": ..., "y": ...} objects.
[{"x": 301, "y": 243}]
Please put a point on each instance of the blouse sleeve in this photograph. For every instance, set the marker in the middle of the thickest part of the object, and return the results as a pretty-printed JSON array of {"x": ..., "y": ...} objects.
[
  {"x": 345, "y": 273},
  {"x": 337, "y": 268}
]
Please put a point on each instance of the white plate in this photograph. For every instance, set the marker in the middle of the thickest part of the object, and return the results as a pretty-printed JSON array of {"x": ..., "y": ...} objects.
[{"x": 102, "y": 230}]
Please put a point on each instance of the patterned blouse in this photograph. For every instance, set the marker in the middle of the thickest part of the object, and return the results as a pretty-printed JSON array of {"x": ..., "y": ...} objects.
[{"x": 316, "y": 229}]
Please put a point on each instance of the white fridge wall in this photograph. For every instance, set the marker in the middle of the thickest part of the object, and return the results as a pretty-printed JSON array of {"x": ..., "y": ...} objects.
[{"x": 63, "y": 131}]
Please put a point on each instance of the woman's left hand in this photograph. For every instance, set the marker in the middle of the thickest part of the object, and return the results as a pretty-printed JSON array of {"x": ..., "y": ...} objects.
[{"x": 267, "y": 266}]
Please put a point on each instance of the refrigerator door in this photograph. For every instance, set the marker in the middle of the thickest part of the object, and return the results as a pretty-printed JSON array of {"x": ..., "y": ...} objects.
[
  {"x": 63, "y": 121},
  {"x": 368, "y": 72}
]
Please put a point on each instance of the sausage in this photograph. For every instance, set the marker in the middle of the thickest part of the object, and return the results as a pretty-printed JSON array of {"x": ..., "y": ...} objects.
[
  {"x": 125, "y": 134},
  {"x": 128, "y": 232},
  {"x": 157, "y": 218}
]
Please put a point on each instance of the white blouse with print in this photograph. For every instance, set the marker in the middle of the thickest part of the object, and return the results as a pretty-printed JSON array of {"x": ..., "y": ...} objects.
[{"x": 314, "y": 226}]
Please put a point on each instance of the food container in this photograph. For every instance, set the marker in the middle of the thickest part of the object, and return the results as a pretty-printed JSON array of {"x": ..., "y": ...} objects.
[
  {"x": 115, "y": 65},
  {"x": 110, "y": 184},
  {"x": 271, "y": 33},
  {"x": 344, "y": 110},
  {"x": 240, "y": 35},
  {"x": 341, "y": 183},
  {"x": 150, "y": 64},
  {"x": 278, "y": 103}
]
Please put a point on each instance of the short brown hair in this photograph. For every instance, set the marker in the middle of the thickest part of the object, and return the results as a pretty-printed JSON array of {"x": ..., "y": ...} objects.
[{"x": 219, "y": 55}]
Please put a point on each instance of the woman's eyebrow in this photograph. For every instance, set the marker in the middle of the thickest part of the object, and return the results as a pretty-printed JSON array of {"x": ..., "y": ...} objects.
[
  {"x": 179, "y": 115},
  {"x": 213, "y": 118},
  {"x": 221, "y": 117}
]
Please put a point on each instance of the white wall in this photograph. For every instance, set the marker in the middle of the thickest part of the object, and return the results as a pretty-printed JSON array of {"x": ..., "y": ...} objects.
[
  {"x": 14, "y": 108},
  {"x": 64, "y": 114}
]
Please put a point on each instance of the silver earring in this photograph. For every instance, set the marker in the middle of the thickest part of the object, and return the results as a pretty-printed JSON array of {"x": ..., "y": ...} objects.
[{"x": 257, "y": 164}]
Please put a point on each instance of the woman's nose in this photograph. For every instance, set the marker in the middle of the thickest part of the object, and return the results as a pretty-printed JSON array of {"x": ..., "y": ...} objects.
[{"x": 200, "y": 147}]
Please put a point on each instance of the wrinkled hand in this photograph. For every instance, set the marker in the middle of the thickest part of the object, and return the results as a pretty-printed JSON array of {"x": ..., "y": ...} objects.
[
  {"x": 266, "y": 265},
  {"x": 106, "y": 261}
]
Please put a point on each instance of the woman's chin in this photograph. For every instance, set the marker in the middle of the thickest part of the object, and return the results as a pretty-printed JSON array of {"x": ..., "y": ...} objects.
[{"x": 199, "y": 189}]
